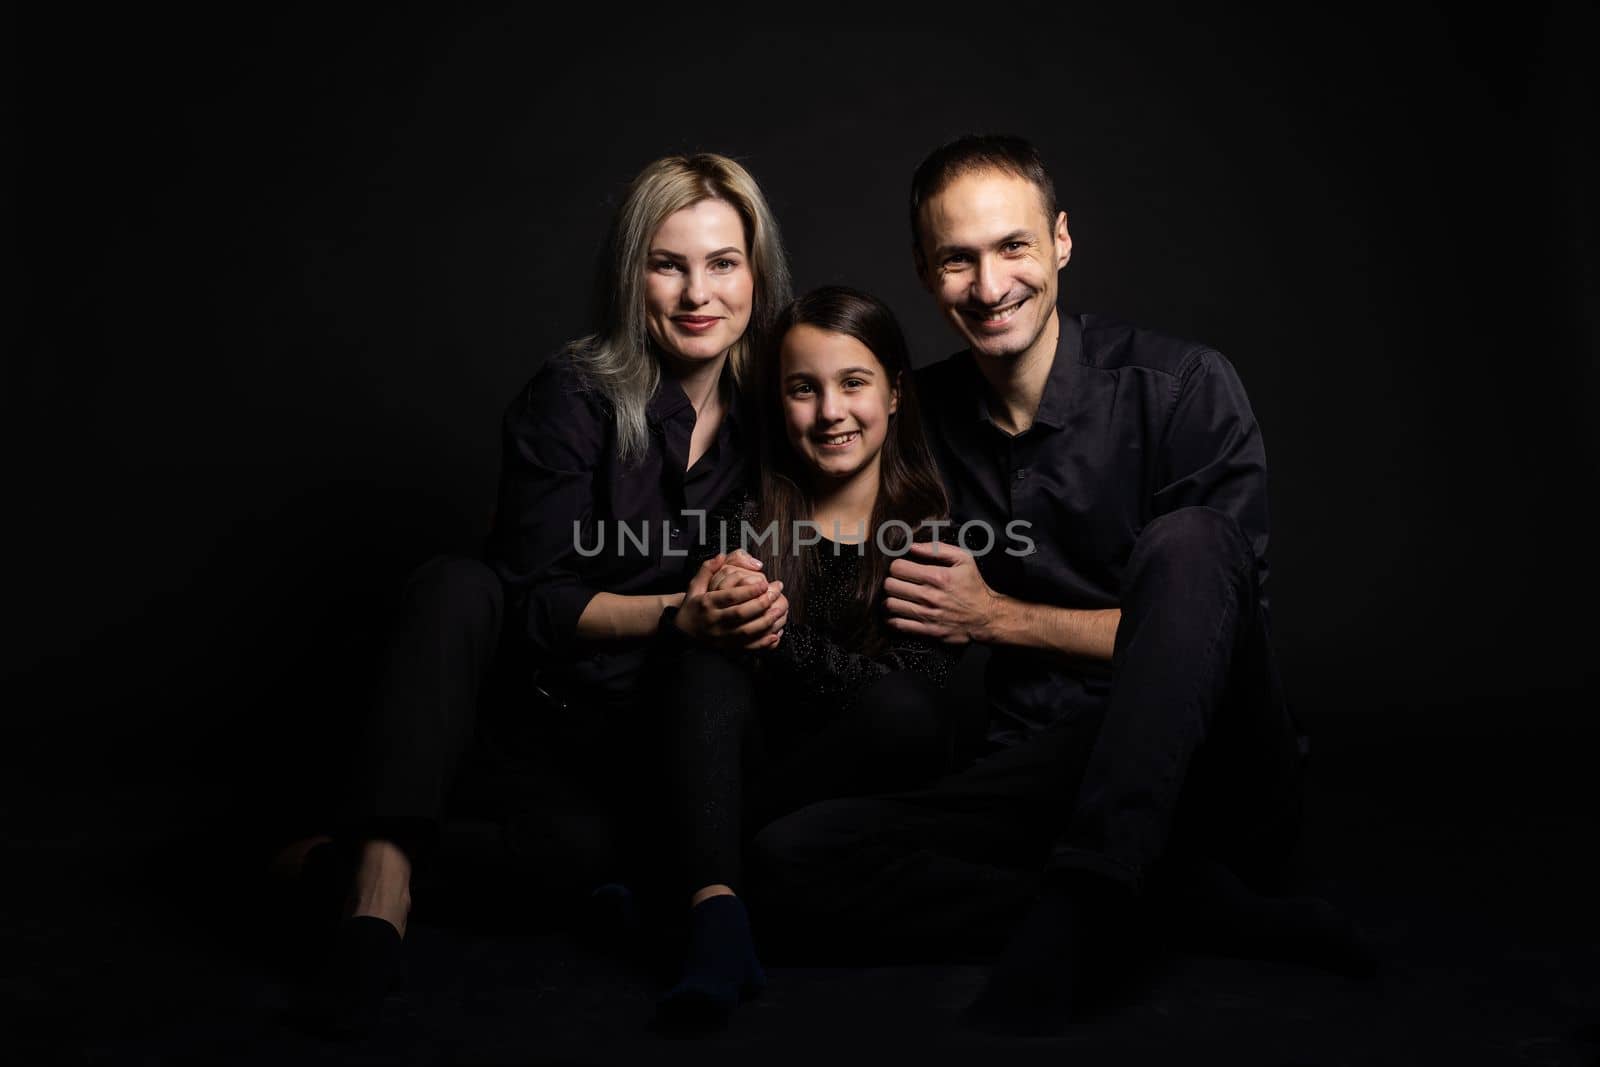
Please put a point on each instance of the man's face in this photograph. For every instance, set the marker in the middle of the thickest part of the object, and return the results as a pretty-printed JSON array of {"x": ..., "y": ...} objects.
[{"x": 990, "y": 257}]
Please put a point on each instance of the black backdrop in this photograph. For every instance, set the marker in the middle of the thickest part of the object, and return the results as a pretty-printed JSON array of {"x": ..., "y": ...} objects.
[{"x": 282, "y": 272}]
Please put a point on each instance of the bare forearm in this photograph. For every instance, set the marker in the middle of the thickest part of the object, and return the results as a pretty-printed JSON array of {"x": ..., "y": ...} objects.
[
  {"x": 1081, "y": 632},
  {"x": 612, "y": 616}
]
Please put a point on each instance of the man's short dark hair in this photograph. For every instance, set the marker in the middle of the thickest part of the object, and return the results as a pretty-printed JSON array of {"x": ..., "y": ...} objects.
[{"x": 968, "y": 155}]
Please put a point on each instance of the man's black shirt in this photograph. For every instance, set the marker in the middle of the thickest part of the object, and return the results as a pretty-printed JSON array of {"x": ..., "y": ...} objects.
[{"x": 1132, "y": 424}]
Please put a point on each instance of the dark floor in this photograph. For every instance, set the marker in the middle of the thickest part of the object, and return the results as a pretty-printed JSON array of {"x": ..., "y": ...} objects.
[{"x": 1468, "y": 860}]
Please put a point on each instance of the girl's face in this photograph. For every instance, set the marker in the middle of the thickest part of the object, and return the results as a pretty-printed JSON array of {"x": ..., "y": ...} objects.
[
  {"x": 698, "y": 284},
  {"x": 837, "y": 399}
]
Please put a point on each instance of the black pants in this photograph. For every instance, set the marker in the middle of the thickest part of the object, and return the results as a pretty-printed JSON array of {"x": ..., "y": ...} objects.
[
  {"x": 485, "y": 787},
  {"x": 1193, "y": 753},
  {"x": 746, "y": 752}
]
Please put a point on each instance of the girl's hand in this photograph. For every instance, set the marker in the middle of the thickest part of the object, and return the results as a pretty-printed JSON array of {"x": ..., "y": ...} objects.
[{"x": 739, "y": 568}]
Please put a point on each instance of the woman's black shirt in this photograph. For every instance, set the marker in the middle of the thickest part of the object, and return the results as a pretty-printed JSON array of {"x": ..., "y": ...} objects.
[{"x": 573, "y": 520}]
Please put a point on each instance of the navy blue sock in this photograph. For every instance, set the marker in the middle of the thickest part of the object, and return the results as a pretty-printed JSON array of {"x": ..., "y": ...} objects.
[{"x": 720, "y": 970}]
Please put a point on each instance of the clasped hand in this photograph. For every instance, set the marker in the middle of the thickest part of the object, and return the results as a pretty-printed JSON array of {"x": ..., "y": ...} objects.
[{"x": 731, "y": 605}]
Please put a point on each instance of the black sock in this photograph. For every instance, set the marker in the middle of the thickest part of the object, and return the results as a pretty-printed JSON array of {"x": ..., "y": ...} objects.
[
  {"x": 1218, "y": 911},
  {"x": 721, "y": 968},
  {"x": 345, "y": 999},
  {"x": 1054, "y": 955}
]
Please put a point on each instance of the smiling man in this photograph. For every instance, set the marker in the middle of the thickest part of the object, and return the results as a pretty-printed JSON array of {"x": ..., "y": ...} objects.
[{"x": 1139, "y": 749}]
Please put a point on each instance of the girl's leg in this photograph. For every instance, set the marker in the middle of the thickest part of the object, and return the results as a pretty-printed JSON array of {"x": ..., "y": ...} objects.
[{"x": 896, "y": 734}]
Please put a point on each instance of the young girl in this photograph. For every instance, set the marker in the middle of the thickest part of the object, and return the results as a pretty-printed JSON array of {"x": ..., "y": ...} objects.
[{"x": 841, "y": 704}]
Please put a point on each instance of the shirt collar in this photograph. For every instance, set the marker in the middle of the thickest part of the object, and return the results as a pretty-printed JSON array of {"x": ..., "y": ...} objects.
[
  {"x": 667, "y": 401},
  {"x": 670, "y": 401},
  {"x": 1057, "y": 387}
]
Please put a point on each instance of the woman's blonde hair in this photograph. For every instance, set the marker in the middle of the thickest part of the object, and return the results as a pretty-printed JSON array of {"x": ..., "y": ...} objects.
[{"x": 616, "y": 358}]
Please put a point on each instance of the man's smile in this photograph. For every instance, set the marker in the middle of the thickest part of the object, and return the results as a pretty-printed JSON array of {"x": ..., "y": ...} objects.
[{"x": 990, "y": 318}]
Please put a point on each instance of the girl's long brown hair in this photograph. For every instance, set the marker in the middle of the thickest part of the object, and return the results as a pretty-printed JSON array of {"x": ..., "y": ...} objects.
[{"x": 909, "y": 489}]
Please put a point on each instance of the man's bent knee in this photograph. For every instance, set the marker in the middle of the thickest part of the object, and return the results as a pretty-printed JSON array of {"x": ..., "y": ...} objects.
[{"x": 1187, "y": 537}]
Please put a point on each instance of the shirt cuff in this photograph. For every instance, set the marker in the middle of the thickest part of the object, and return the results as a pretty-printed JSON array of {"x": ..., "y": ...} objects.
[
  {"x": 667, "y": 631},
  {"x": 553, "y": 614}
]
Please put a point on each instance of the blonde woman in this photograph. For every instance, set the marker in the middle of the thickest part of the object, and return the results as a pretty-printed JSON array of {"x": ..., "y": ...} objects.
[{"x": 612, "y": 452}]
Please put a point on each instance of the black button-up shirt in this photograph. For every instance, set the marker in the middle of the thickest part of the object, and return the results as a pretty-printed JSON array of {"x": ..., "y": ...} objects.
[
  {"x": 573, "y": 520},
  {"x": 1132, "y": 424}
]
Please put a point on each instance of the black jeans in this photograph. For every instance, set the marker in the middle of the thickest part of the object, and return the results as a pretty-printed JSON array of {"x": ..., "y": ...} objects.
[
  {"x": 747, "y": 751},
  {"x": 1193, "y": 753},
  {"x": 471, "y": 774}
]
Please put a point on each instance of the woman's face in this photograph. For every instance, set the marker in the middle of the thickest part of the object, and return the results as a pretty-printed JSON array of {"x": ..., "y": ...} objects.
[
  {"x": 837, "y": 399},
  {"x": 699, "y": 286}
]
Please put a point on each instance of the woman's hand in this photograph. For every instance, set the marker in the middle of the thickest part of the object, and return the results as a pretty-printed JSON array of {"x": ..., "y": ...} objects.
[
  {"x": 743, "y": 614},
  {"x": 738, "y": 568}
]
